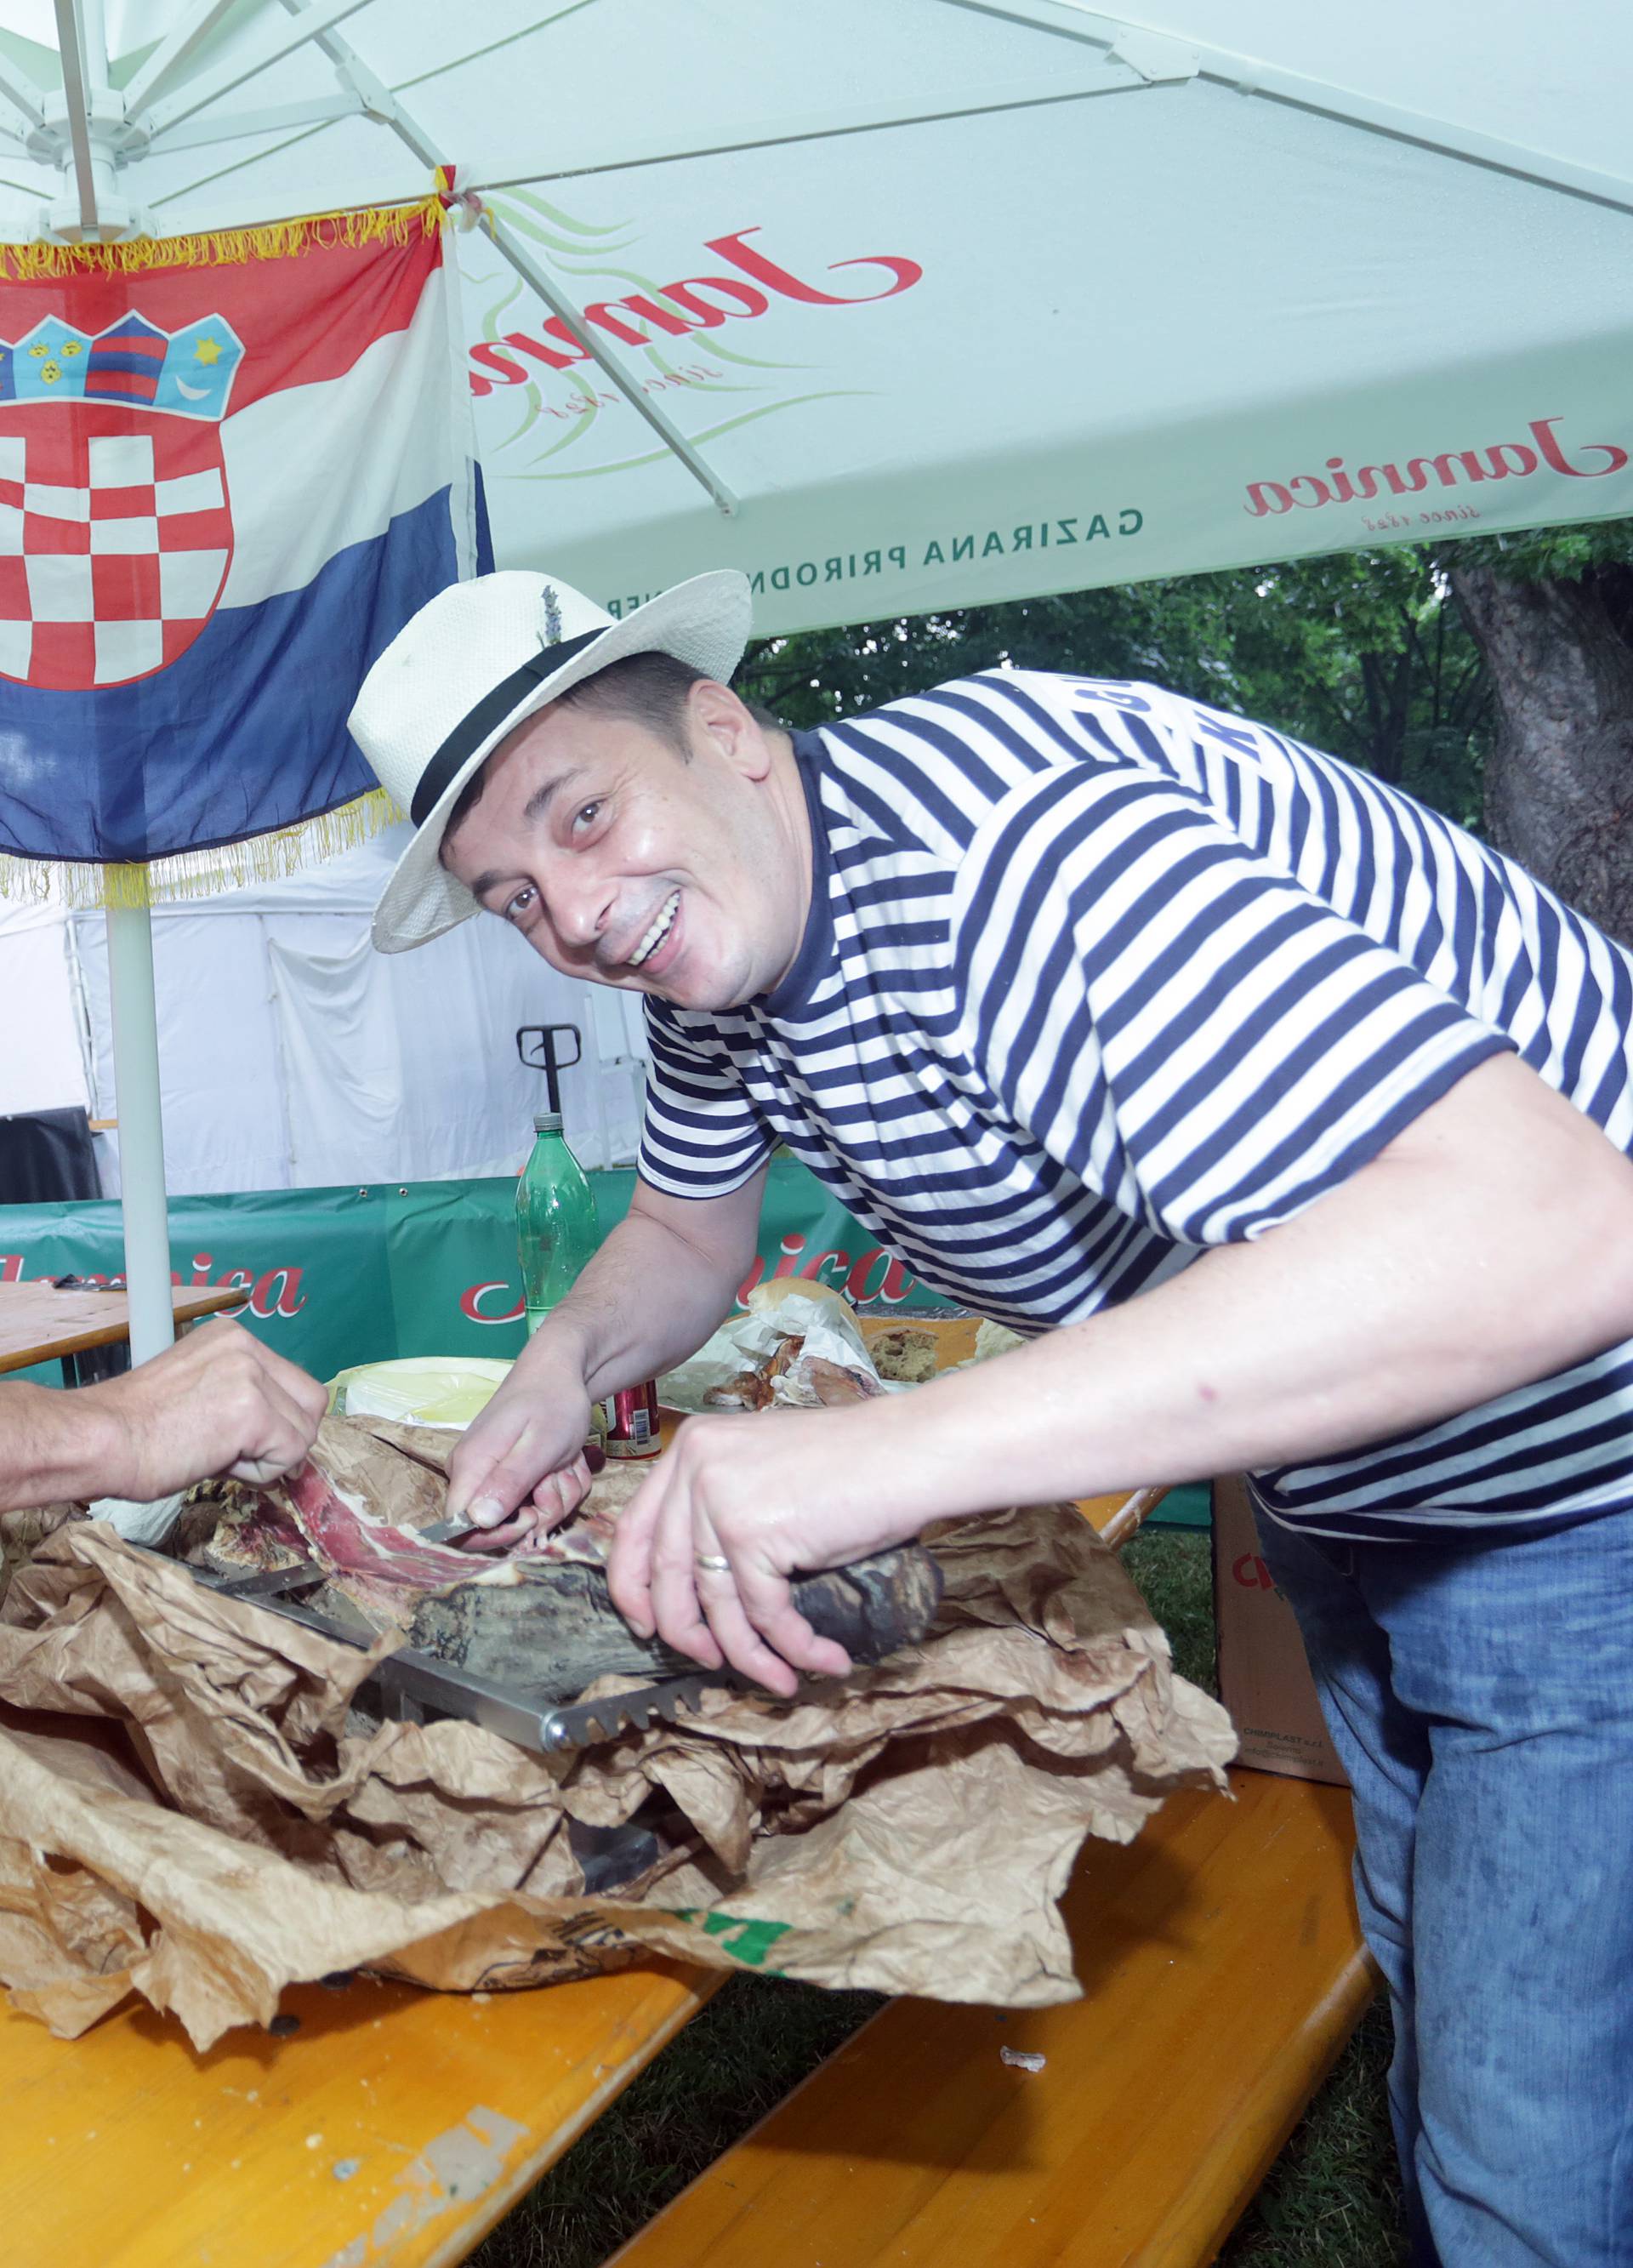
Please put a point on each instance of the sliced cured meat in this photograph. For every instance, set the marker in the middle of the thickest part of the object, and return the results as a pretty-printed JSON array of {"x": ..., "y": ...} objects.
[{"x": 357, "y": 1506}]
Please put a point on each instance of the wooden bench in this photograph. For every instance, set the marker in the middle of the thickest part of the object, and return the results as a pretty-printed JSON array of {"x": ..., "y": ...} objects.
[
  {"x": 1223, "y": 1971},
  {"x": 44, "y": 1321}
]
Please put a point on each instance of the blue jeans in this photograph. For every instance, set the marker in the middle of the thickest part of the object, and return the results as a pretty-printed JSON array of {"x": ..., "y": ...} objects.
[{"x": 1480, "y": 1695}]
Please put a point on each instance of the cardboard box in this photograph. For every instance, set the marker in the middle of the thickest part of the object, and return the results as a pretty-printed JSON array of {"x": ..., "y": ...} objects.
[{"x": 1264, "y": 1679}]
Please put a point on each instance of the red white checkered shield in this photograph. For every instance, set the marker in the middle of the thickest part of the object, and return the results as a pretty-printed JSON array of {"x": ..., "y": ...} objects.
[{"x": 115, "y": 536}]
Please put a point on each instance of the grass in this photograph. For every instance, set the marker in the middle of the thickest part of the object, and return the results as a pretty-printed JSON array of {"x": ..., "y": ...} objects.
[
  {"x": 1330, "y": 2201},
  {"x": 753, "y": 2041},
  {"x": 1333, "y": 2198}
]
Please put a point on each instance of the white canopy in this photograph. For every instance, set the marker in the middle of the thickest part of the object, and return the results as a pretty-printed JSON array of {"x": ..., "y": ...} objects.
[
  {"x": 908, "y": 303},
  {"x": 292, "y": 1056},
  {"x": 903, "y": 304}
]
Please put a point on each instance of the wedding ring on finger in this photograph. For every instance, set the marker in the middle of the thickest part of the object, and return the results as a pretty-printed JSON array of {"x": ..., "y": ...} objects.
[{"x": 715, "y": 1562}]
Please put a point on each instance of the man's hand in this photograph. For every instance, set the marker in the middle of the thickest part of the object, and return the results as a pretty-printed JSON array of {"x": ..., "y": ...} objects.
[
  {"x": 650, "y": 1297},
  {"x": 769, "y": 1492},
  {"x": 217, "y": 1402},
  {"x": 522, "y": 1463}
]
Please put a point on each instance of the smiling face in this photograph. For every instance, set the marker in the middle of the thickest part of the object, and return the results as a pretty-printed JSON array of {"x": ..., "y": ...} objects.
[{"x": 622, "y": 861}]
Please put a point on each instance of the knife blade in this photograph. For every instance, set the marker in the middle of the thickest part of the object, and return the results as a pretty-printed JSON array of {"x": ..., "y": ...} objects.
[
  {"x": 451, "y": 1531},
  {"x": 269, "y": 1583}
]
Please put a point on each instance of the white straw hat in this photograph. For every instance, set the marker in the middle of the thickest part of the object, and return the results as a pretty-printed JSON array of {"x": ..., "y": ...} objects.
[{"x": 464, "y": 672}]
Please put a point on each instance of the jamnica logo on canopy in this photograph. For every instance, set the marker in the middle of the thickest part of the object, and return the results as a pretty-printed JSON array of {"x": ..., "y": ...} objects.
[
  {"x": 1495, "y": 461},
  {"x": 695, "y": 303}
]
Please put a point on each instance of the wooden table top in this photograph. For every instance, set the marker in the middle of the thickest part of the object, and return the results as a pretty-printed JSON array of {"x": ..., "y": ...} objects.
[
  {"x": 396, "y": 2125},
  {"x": 39, "y": 1322}
]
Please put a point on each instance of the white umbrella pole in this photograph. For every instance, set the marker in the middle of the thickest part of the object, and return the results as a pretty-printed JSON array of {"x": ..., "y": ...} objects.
[{"x": 141, "y": 1126}]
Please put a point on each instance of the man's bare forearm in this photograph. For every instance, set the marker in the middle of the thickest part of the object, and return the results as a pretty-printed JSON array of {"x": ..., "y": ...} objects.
[
  {"x": 1469, "y": 1259},
  {"x": 645, "y": 1303},
  {"x": 1488, "y": 1245},
  {"x": 214, "y": 1403},
  {"x": 58, "y": 1447},
  {"x": 652, "y": 1295},
  {"x": 649, "y": 1297}
]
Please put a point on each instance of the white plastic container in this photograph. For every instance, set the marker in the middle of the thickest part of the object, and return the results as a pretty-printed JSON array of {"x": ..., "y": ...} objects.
[{"x": 447, "y": 1390}]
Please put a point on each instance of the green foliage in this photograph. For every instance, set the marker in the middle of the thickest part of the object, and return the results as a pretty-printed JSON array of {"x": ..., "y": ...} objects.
[
  {"x": 1172, "y": 1570},
  {"x": 1364, "y": 655},
  {"x": 1533, "y": 555}
]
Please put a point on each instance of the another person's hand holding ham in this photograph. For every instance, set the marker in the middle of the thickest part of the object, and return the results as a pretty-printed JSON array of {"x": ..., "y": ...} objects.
[{"x": 218, "y": 1402}]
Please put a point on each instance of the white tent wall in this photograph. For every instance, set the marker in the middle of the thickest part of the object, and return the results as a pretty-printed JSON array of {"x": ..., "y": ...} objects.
[
  {"x": 292, "y": 1056},
  {"x": 44, "y": 1054}
]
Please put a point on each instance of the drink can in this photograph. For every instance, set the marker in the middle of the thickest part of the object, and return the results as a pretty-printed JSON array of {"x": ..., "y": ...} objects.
[{"x": 631, "y": 1420}]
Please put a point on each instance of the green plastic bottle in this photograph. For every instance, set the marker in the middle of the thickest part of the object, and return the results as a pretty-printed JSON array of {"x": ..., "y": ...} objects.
[{"x": 556, "y": 1229}]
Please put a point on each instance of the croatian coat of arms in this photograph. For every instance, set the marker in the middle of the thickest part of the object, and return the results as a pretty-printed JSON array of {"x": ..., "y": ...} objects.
[{"x": 115, "y": 526}]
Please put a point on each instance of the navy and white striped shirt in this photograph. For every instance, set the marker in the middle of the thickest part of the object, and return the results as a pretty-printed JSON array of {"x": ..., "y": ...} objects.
[{"x": 1096, "y": 977}]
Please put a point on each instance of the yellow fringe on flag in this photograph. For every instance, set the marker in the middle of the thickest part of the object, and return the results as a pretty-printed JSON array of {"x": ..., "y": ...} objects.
[
  {"x": 200, "y": 873},
  {"x": 275, "y": 240}
]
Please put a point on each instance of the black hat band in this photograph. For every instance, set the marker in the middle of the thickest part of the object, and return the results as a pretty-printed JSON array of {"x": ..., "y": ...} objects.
[{"x": 490, "y": 713}]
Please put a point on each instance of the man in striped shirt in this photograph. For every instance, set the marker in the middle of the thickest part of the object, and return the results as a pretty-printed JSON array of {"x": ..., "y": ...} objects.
[{"x": 1291, "y": 1119}]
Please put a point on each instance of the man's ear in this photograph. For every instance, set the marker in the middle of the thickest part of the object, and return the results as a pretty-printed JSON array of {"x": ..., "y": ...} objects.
[{"x": 723, "y": 722}]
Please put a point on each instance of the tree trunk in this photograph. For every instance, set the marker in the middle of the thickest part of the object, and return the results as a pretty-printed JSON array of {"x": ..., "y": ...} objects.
[
  {"x": 1387, "y": 685},
  {"x": 1559, "y": 779}
]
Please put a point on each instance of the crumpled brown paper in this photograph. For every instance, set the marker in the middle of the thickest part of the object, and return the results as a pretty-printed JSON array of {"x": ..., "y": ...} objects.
[{"x": 188, "y": 1812}]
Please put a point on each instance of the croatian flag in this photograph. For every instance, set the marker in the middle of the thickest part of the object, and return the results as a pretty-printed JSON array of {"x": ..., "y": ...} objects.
[{"x": 224, "y": 489}]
